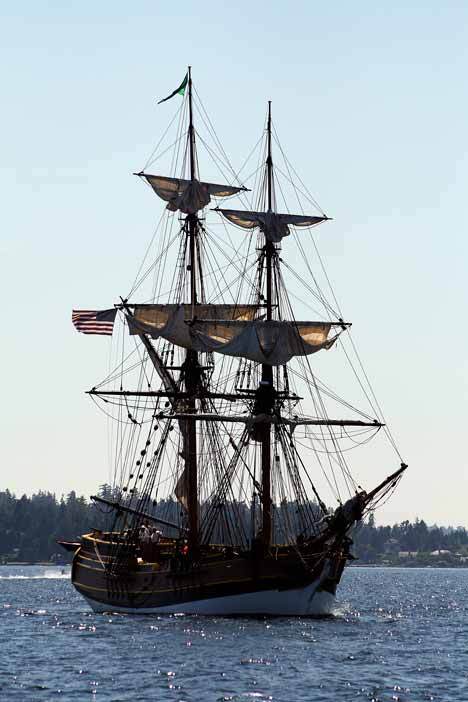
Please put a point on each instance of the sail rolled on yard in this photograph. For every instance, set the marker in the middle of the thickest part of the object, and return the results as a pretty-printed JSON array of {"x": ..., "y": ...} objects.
[
  {"x": 271, "y": 342},
  {"x": 275, "y": 226},
  {"x": 187, "y": 196},
  {"x": 232, "y": 330},
  {"x": 176, "y": 322}
]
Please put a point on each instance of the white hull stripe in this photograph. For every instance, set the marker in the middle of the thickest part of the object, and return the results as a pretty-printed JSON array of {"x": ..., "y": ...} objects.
[{"x": 299, "y": 602}]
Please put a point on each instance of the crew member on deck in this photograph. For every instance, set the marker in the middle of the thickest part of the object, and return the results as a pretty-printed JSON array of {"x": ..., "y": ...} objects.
[
  {"x": 185, "y": 556},
  {"x": 145, "y": 541},
  {"x": 155, "y": 539}
]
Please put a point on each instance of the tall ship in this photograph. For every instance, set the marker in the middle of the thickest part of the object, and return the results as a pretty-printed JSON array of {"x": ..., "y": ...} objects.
[{"x": 232, "y": 489}]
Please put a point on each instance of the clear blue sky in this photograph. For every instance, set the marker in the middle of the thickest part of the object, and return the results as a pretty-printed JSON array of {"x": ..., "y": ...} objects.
[{"x": 371, "y": 105}]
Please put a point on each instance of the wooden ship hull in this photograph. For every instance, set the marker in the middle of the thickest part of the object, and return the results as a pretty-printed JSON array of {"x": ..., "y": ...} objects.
[{"x": 283, "y": 583}]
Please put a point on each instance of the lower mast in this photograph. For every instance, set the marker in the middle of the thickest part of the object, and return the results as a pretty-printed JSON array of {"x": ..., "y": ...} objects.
[
  {"x": 267, "y": 377},
  {"x": 267, "y": 393},
  {"x": 191, "y": 467}
]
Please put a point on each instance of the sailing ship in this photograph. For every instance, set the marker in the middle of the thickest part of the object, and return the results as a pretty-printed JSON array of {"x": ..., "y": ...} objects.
[{"x": 226, "y": 435}]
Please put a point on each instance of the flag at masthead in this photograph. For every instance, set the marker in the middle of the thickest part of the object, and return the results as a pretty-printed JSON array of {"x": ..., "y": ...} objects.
[{"x": 178, "y": 91}]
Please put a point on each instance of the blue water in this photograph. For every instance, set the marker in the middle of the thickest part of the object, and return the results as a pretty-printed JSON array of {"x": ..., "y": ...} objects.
[{"x": 396, "y": 635}]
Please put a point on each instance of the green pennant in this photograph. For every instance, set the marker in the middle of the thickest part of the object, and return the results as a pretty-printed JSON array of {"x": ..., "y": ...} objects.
[{"x": 178, "y": 91}]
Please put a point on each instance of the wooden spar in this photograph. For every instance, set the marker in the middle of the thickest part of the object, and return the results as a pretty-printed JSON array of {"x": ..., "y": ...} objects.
[
  {"x": 272, "y": 419},
  {"x": 248, "y": 419},
  {"x": 282, "y": 394},
  {"x": 267, "y": 371},
  {"x": 191, "y": 128},
  {"x": 269, "y": 163},
  {"x": 129, "y": 510},
  {"x": 191, "y": 374},
  {"x": 179, "y": 394},
  {"x": 370, "y": 495},
  {"x": 169, "y": 382}
]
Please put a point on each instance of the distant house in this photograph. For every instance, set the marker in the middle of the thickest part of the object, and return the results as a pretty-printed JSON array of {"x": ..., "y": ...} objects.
[
  {"x": 441, "y": 552},
  {"x": 407, "y": 554}
]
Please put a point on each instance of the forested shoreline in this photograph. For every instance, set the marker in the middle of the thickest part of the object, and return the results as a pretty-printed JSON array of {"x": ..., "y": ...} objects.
[{"x": 31, "y": 526}]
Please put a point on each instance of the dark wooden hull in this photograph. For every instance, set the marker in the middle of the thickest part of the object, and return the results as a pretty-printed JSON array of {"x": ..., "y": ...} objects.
[{"x": 282, "y": 583}]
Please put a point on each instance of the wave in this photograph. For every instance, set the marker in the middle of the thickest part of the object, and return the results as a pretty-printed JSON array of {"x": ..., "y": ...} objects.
[{"x": 55, "y": 575}]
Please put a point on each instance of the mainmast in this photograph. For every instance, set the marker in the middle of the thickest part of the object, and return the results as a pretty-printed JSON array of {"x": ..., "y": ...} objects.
[
  {"x": 191, "y": 360},
  {"x": 267, "y": 370}
]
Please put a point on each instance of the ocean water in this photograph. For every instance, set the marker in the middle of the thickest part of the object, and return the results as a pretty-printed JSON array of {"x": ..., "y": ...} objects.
[{"x": 396, "y": 635}]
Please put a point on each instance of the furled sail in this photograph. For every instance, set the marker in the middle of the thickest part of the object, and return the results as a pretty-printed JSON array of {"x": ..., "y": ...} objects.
[
  {"x": 232, "y": 330},
  {"x": 275, "y": 226},
  {"x": 162, "y": 320},
  {"x": 188, "y": 196},
  {"x": 271, "y": 342}
]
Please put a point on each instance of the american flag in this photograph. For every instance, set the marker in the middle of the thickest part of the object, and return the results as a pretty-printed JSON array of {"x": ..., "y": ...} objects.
[{"x": 94, "y": 321}]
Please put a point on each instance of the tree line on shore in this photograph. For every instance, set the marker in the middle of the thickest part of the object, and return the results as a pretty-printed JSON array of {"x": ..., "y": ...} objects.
[
  {"x": 30, "y": 527},
  {"x": 410, "y": 542}
]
